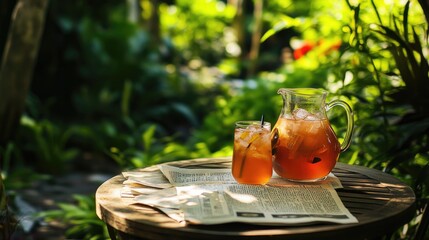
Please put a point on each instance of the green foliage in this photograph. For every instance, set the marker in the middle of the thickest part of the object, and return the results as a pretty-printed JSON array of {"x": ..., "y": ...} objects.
[
  {"x": 48, "y": 142},
  {"x": 117, "y": 72},
  {"x": 388, "y": 83},
  {"x": 80, "y": 217},
  {"x": 14, "y": 171},
  {"x": 390, "y": 62},
  {"x": 197, "y": 28},
  {"x": 153, "y": 151}
]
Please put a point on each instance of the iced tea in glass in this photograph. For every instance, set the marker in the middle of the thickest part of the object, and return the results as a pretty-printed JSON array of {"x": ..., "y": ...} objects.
[{"x": 252, "y": 158}]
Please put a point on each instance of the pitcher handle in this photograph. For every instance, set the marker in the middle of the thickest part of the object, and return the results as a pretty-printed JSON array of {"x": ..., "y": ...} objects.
[{"x": 350, "y": 122}]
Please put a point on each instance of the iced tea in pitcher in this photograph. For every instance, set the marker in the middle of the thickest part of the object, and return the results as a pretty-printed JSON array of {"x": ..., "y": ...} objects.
[{"x": 304, "y": 145}]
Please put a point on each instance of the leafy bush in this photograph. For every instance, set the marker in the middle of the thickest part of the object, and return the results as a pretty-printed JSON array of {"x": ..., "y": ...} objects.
[
  {"x": 392, "y": 66},
  {"x": 80, "y": 217}
]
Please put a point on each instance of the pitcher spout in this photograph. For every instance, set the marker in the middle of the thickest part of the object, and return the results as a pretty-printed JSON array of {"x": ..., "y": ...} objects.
[{"x": 282, "y": 91}]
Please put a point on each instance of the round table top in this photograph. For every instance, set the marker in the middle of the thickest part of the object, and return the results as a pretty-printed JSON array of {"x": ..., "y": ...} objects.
[{"x": 379, "y": 201}]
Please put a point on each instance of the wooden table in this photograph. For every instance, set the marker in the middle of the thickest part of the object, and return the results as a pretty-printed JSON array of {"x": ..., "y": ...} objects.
[{"x": 379, "y": 201}]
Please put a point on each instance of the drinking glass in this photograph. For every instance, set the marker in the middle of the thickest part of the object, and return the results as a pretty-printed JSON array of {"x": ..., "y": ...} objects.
[{"x": 252, "y": 158}]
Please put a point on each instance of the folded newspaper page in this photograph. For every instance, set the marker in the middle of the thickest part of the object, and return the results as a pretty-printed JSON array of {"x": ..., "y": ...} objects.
[
  {"x": 150, "y": 179},
  {"x": 184, "y": 176},
  {"x": 215, "y": 203},
  {"x": 143, "y": 183},
  {"x": 212, "y": 196}
]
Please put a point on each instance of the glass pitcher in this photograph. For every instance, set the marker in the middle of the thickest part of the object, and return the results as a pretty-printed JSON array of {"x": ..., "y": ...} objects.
[{"x": 304, "y": 145}]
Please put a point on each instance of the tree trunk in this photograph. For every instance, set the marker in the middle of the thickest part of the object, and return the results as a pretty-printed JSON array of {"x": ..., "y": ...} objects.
[
  {"x": 151, "y": 20},
  {"x": 133, "y": 10},
  {"x": 239, "y": 25},
  {"x": 256, "y": 38},
  {"x": 6, "y": 9},
  {"x": 155, "y": 23},
  {"x": 19, "y": 57}
]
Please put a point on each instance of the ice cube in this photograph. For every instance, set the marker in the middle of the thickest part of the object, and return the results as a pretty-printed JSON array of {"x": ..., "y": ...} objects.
[
  {"x": 241, "y": 135},
  {"x": 300, "y": 113},
  {"x": 241, "y": 143},
  {"x": 254, "y": 127},
  {"x": 312, "y": 117},
  {"x": 314, "y": 128},
  {"x": 293, "y": 142},
  {"x": 322, "y": 149}
]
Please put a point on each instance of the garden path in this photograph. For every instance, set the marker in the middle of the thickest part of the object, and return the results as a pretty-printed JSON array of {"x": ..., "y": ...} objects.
[{"x": 46, "y": 194}]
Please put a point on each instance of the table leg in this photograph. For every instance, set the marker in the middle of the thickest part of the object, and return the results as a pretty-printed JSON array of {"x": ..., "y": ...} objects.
[
  {"x": 112, "y": 232},
  {"x": 118, "y": 235}
]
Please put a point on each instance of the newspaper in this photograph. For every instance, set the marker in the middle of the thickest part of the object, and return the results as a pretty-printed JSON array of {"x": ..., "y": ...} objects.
[
  {"x": 184, "y": 176},
  {"x": 212, "y": 196}
]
